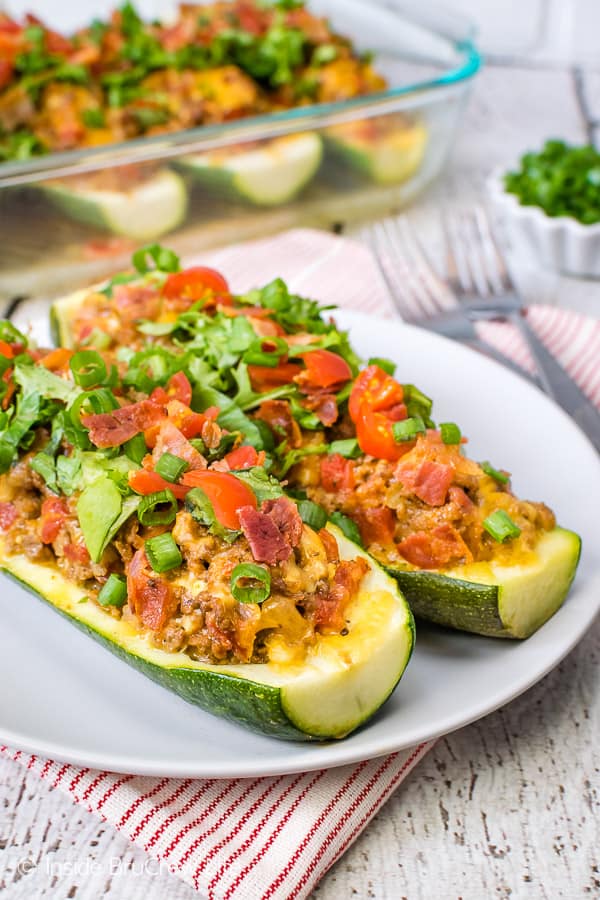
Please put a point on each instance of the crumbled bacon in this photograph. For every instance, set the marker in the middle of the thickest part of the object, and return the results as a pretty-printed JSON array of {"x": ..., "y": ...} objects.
[
  {"x": 429, "y": 481},
  {"x": 329, "y": 615},
  {"x": 273, "y": 531},
  {"x": 435, "y": 549},
  {"x": 120, "y": 425},
  {"x": 278, "y": 416},
  {"x": 149, "y": 596},
  {"x": 324, "y": 407}
]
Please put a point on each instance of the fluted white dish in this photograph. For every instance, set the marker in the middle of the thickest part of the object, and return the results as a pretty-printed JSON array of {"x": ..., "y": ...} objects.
[{"x": 559, "y": 242}]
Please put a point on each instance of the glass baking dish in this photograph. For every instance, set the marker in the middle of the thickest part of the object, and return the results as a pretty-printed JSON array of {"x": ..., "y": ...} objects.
[{"x": 71, "y": 217}]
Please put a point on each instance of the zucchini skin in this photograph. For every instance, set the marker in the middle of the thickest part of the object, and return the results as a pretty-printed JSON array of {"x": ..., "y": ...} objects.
[{"x": 452, "y": 602}]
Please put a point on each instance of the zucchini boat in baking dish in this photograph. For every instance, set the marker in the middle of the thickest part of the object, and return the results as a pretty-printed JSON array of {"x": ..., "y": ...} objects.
[
  {"x": 122, "y": 202},
  {"x": 355, "y": 445},
  {"x": 161, "y": 534},
  {"x": 265, "y": 174}
]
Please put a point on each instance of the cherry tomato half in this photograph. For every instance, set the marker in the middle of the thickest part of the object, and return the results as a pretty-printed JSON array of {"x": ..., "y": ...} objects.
[{"x": 226, "y": 493}]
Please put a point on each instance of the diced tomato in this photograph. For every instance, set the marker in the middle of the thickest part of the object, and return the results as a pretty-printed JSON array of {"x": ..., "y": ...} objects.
[
  {"x": 57, "y": 360},
  {"x": 375, "y": 403},
  {"x": 376, "y": 525},
  {"x": 8, "y": 515},
  {"x": 429, "y": 481},
  {"x": 324, "y": 369},
  {"x": 149, "y": 596},
  {"x": 337, "y": 473},
  {"x": 376, "y": 389},
  {"x": 77, "y": 553},
  {"x": 178, "y": 388},
  {"x": 6, "y": 350},
  {"x": 244, "y": 458},
  {"x": 435, "y": 549},
  {"x": 264, "y": 378},
  {"x": 189, "y": 423},
  {"x": 195, "y": 284},
  {"x": 146, "y": 482},
  {"x": 54, "y": 513},
  {"x": 226, "y": 493}
]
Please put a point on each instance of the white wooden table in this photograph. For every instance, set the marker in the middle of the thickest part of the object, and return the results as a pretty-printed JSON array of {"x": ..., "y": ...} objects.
[{"x": 507, "y": 807}]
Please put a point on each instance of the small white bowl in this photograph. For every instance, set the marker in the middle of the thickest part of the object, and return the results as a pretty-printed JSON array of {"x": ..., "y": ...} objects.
[{"x": 561, "y": 243}]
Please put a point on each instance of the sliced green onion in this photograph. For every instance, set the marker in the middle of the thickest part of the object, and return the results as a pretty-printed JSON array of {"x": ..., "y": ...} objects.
[
  {"x": 348, "y": 448},
  {"x": 98, "y": 339},
  {"x": 164, "y": 260},
  {"x": 163, "y": 553},
  {"x": 494, "y": 473},
  {"x": 312, "y": 514},
  {"x": 250, "y": 583},
  {"x": 171, "y": 467},
  {"x": 418, "y": 403},
  {"x": 408, "y": 429},
  {"x": 113, "y": 592},
  {"x": 135, "y": 448},
  {"x": 347, "y": 526},
  {"x": 157, "y": 509},
  {"x": 100, "y": 400},
  {"x": 265, "y": 352},
  {"x": 386, "y": 364},
  {"x": 450, "y": 433},
  {"x": 88, "y": 368},
  {"x": 500, "y": 525}
]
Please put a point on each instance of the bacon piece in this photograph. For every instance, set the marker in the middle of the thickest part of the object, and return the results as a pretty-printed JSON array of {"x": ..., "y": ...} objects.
[
  {"x": 8, "y": 515},
  {"x": 429, "y": 481},
  {"x": 331, "y": 547},
  {"x": 284, "y": 513},
  {"x": 278, "y": 416},
  {"x": 329, "y": 614},
  {"x": 149, "y": 596},
  {"x": 376, "y": 525},
  {"x": 170, "y": 439},
  {"x": 134, "y": 302},
  {"x": 114, "y": 428},
  {"x": 324, "y": 407},
  {"x": 273, "y": 531},
  {"x": 435, "y": 549},
  {"x": 462, "y": 500},
  {"x": 337, "y": 473}
]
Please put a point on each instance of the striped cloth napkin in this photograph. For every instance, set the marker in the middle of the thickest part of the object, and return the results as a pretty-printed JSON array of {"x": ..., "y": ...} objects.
[{"x": 276, "y": 837}]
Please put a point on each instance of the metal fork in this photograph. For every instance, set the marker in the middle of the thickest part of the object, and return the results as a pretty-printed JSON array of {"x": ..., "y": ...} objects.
[
  {"x": 480, "y": 280},
  {"x": 418, "y": 294}
]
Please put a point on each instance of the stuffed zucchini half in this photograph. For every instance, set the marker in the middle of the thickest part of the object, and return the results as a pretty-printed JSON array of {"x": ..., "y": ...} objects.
[
  {"x": 383, "y": 151},
  {"x": 162, "y": 535},
  {"x": 357, "y": 446},
  {"x": 142, "y": 210},
  {"x": 266, "y": 174}
]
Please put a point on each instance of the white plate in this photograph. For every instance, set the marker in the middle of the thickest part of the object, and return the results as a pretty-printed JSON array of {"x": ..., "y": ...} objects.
[{"x": 66, "y": 697}]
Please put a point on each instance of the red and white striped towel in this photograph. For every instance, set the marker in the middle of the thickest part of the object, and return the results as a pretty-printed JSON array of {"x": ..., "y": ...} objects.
[{"x": 253, "y": 839}]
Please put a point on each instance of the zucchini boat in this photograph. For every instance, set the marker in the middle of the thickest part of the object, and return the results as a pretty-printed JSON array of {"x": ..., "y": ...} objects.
[
  {"x": 466, "y": 551},
  {"x": 381, "y": 152},
  {"x": 152, "y": 207},
  {"x": 496, "y": 599},
  {"x": 268, "y": 174},
  {"x": 352, "y": 674},
  {"x": 161, "y": 533}
]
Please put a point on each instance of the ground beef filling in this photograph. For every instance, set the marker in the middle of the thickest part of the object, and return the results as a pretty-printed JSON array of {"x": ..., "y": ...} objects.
[
  {"x": 383, "y": 503},
  {"x": 310, "y": 591}
]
